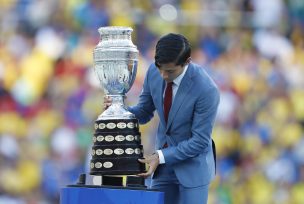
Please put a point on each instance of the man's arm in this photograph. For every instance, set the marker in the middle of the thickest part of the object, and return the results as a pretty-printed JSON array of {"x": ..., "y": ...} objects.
[{"x": 145, "y": 108}]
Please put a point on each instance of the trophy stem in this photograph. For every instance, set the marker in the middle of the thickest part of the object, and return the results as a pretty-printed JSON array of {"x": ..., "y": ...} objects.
[
  {"x": 117, "y": 99},
  {"x": 117, "y": 110}
]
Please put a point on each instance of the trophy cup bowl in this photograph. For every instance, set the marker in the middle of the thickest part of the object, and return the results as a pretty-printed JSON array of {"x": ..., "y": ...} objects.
[
  {"x": 117, "y": 140},
  {"x": 115, "y": 59}
]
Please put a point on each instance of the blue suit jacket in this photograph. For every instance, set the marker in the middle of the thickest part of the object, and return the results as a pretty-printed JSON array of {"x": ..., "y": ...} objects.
[{"x": 190, "y": 123}]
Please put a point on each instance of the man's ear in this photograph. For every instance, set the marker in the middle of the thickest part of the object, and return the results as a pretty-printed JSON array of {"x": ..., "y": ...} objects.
[{"x": 188, "y": 60}]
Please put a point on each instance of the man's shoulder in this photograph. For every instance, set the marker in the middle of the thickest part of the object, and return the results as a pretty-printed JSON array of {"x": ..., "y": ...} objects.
[
  {"x": 152, "y": 69},
  {"x": 153, "y": 74},
  {"x": 198, "y": 69},
  {"x": 201, "y": 76}
]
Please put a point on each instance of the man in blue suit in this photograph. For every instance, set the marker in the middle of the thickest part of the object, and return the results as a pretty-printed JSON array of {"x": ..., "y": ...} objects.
[{"x": 186, "y": 100}]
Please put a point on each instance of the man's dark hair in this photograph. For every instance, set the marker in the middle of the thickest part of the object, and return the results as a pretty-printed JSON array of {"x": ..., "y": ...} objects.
[{"x": 172, "y": 48}]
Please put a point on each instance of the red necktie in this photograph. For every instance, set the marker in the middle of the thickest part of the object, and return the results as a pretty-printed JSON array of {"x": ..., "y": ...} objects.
[{"x": 168, "y": 100}]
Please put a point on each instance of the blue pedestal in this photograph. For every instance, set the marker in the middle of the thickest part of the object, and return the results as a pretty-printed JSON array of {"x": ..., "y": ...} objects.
[{"x": 100, "y": 195}]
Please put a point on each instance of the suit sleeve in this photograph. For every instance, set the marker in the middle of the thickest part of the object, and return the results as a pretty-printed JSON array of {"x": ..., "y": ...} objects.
[
  {"x": 145, "y": 108},
  {"x": 202, "y": 125}
]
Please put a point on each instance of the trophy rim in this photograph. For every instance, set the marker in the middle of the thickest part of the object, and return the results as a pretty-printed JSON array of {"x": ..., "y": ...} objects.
[{"x": 110, "y": 29}]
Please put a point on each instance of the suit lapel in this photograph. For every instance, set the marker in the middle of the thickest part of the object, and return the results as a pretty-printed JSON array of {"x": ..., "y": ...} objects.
[
  {"x": 181, "y": 94},
  {"x": 160, "y": 94}
]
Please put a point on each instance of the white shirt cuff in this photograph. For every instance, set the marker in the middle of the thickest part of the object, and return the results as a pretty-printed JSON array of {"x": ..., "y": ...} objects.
[{"x": 161, "y": 157}]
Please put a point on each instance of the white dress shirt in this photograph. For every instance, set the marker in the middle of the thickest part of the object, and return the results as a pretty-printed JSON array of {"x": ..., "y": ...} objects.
[{"x": 175, "y": 86}]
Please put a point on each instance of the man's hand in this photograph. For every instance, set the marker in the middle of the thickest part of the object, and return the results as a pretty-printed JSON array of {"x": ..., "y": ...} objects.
[
  {"x": 107, "y": 101},
  {"x": 152, "y": 161}
]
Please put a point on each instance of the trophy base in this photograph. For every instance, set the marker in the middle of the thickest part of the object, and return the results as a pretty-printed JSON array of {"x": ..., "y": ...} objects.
[
  {"x": 119, "y": 181},
  {"x": 117, "y": 148},
  {"x": 116, "y": 166}
]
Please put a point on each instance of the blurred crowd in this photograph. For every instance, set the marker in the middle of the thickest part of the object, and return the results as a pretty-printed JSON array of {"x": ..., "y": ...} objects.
[{"x": 50, "y": 98}]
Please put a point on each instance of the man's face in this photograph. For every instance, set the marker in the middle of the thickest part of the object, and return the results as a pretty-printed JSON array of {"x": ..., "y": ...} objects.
[{"x": 170, "y": 71}]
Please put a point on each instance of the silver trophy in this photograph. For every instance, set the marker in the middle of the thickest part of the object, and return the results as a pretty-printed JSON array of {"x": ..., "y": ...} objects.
[
  {"x": 115, "y": 59},
  {"x": 117, "y": 140}
]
